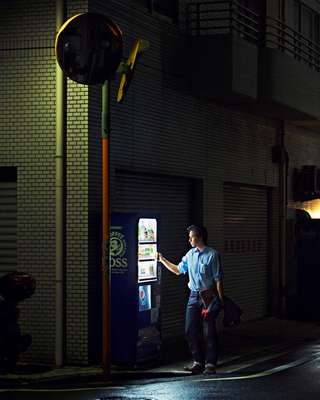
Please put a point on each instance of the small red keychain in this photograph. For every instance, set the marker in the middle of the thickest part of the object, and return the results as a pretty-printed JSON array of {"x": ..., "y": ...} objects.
[{"x": 204, "y": 313}]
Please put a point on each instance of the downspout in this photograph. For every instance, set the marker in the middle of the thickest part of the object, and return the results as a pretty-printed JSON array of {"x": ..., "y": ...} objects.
[
  {"x": 105, "y": 267},
  {"x": 283, "y": 173},
  {"x": 60, "y": 197}
]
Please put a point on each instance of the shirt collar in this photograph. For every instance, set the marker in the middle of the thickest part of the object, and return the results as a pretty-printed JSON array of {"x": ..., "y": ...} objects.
[{"x": 196, "y": 250}]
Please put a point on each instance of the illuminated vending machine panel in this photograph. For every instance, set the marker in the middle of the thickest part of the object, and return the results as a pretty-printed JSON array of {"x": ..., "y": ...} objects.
[{"x": 147, "y": 248}]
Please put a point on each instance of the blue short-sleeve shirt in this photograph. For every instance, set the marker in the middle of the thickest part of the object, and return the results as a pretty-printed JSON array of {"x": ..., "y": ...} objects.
[{"x": 203, "y": 267}]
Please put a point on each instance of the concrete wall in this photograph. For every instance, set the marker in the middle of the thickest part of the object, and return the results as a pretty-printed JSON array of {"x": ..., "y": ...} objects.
[
  {"x": 289, "y": 83},
  {"x": 223, "y": 67}
]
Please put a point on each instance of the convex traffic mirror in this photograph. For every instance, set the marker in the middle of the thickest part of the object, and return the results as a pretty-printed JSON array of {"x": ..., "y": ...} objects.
[{"x": 88, "y": 48}]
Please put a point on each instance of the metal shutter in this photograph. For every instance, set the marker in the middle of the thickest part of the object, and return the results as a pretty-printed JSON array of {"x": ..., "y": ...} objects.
[
  {"x": 8, "y": 226},
  {"x": 246, "y": 248},
  {"x": 168, "y": 197}
]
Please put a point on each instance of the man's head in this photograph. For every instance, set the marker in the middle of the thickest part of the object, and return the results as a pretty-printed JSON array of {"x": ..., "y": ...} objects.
[{"x": 197, "y": 235}]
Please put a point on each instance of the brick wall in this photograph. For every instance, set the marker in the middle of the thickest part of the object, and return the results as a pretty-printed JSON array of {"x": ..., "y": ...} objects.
[
  {"x": 77, "y": 215},
  {"x": 27, "y": 134},
  {"x": 27, "y": 124}
]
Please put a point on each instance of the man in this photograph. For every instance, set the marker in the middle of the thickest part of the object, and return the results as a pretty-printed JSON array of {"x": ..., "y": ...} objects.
[{"x": 205, "y": 301}]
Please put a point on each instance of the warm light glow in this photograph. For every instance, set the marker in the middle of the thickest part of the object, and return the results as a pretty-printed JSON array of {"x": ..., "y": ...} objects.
[{"x": 312, "y": 207}]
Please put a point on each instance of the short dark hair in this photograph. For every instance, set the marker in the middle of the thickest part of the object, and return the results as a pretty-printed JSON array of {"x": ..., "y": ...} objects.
[{"x": 200, "y": 231}]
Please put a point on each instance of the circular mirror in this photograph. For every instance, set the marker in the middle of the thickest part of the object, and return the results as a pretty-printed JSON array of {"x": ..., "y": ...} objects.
[{"x": 88, "y": 48}]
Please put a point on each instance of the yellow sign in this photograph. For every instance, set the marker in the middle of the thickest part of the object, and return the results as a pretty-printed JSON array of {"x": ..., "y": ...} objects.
[{"x": 138, "y": 48}]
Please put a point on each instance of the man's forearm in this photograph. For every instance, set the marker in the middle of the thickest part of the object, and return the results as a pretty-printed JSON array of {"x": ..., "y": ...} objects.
[
  {"x": 169, "y": 265},
  {"x": 220, "y": 291}
]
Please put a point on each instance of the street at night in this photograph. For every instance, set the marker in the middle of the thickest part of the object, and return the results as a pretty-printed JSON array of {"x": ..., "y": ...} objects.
[
  {"x": 284, "y": 375},
  {"x": 160, "y": 199}
]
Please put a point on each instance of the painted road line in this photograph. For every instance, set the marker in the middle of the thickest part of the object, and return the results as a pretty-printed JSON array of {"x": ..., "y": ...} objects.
[
  {"x": 268, "y": 372},
  {"x": 254, "y": 361}
]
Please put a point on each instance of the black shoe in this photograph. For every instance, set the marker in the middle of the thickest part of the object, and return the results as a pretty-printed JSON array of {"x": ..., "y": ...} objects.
[
  {"x": 210, "y": 369},
  {"x": 195, "y": 368}
]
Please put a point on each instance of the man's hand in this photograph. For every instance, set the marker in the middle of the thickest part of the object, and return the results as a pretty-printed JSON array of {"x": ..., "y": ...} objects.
[{"x": 169, "y": 265}]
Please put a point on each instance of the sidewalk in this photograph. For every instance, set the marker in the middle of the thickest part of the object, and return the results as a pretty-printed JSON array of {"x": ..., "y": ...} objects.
[{"x": 241, "y": 343}]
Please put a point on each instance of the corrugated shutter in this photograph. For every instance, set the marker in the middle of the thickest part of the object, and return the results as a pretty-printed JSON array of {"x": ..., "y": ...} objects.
[
  {"x": 8, "y": 226},
  {"x": 246, "y": 248},
  {"x": 168, "y": 197}
]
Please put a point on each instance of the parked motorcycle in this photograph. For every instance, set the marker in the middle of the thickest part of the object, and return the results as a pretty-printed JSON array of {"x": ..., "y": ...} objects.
[{"x": 14, "y": 288}]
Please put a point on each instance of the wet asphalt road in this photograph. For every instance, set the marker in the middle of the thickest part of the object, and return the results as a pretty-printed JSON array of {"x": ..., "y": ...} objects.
[{"x": 290, "y": 377}]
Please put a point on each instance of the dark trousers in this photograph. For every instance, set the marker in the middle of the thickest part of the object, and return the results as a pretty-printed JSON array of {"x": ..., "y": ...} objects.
[{"x": 201, "y": 332}]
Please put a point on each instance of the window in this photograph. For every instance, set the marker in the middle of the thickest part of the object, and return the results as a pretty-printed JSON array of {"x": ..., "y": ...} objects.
[
  {"x": 168, "y": 8},
  {"x": 306, "y": 23}
]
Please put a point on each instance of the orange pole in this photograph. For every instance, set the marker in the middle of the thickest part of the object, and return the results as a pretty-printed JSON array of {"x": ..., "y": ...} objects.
[{"x": 105, "y": 268}]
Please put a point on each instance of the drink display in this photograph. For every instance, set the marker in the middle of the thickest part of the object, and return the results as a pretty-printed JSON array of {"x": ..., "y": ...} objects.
[
  {"x": 147, "y": 248},
  {"x": 147, "y": 230},
  {"x": 147, "y": 251},
  {"x": 147, "y": 270},
  {"x": 144, "y": 297}
]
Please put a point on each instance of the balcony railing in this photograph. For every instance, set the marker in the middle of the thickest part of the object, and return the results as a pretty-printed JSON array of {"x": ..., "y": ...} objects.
[
  {"x": 214, "y": 17},
  {"x": 230, "y": 16},
  {"x": 288, "y": 40}
]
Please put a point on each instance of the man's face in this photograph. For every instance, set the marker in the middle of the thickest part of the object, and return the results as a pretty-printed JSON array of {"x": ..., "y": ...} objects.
[{"x": 194, "y": 240}]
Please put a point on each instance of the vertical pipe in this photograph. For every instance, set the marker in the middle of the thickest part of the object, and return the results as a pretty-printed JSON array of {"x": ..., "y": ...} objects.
[
  {"x": 105, "y": 135},
  {"x": 230, "y": 17},
  {"x": 60, "y": 197},
  {"x": 198, "y": 19},
  {"x": 282, "y": 218}
]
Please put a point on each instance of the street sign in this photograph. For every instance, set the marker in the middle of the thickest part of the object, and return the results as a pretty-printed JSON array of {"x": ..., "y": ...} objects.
[
  {"x": 88, "y": 48},
  {"x": 128, "y": 67}
]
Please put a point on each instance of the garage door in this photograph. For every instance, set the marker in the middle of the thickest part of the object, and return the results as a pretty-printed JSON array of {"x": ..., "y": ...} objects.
[
  {"x": 8, "y": 222},
  {"x": 170, "y": 198},
  {"x": 246, "y": 248}
]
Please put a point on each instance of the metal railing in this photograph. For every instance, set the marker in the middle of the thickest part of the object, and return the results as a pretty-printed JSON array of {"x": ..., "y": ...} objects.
[
  {"x": 214, "y": 17},
  {"x": 286, "y": 39},
  {"x": 230, "y": 16}
]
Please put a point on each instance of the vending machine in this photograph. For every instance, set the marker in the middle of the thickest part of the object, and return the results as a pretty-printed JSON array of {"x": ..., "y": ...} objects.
[{"x": 135, "y": 289}]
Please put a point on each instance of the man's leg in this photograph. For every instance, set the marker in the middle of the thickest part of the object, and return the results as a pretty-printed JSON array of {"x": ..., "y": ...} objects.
[
  {"x": 210, "y": 333},
  {"x": 193, "y": 328}
]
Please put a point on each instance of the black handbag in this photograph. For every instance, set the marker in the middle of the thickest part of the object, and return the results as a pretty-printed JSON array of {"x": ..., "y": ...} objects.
[{"x": 232, "y": 313}]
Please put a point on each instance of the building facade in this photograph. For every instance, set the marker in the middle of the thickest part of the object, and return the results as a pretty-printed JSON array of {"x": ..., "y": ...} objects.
[{"x": 222, "y": 108}]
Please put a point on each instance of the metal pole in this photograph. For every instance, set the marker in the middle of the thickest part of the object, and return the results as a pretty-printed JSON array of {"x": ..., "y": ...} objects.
[
  {"x": 60, "y": 197},
  {"x": 105, "y": 137},
  {"x": 282, "y": 219}
]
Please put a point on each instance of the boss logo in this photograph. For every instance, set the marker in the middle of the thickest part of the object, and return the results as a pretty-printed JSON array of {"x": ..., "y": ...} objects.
[
  {"x": 118, "y": 245},
  {"x": 118, "y": 248}
]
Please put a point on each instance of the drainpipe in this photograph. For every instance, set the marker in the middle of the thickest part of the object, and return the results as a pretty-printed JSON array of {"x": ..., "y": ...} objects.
[
  {"x": 283, "y": 172},
  {"x": 60, "y": 197},
  {"x": 105, "y": 267}
]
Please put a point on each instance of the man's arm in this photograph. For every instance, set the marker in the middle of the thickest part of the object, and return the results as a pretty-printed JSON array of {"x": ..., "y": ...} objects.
[
  {"x": 220, "y": 291},
  {"x": 169, "y": 265}
]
